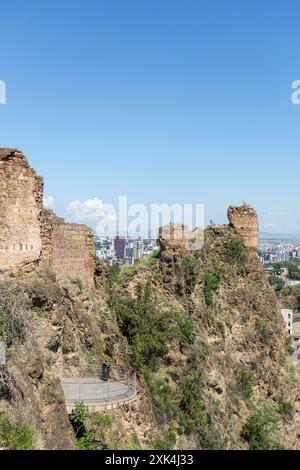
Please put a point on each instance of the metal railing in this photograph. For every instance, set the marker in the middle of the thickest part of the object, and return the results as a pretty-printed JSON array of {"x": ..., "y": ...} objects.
[
  {"x": 90, "y": 369},
  {"x": 82, "y": 382}
]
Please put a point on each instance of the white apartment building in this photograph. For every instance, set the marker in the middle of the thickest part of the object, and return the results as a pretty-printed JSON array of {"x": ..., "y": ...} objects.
[{"x": 287, "y": 315}]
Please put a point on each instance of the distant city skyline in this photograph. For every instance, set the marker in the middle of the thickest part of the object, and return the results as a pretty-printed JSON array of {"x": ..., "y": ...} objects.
[{"x": 164, "y": 102}]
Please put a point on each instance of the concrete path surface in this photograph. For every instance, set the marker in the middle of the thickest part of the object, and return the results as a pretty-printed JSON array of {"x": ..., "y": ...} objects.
[{"x": 93, "y": 391}]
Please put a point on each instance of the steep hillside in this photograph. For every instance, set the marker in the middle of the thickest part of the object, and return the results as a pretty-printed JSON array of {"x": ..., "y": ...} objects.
[
  {"x": 46, "y": 324},
  {"x": 205, "y": 331},
  {"x": 201, "y": 328}
]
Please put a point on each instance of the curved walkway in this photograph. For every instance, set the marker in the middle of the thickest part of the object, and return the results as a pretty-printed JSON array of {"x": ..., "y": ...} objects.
[{"x": 95, "y": 393}]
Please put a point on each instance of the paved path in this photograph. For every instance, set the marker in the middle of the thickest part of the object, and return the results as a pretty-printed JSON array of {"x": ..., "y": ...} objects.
[{"x": 95, "y": 391}]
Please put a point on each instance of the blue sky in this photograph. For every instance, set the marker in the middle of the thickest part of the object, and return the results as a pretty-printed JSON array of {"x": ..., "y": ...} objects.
[{"x": 162, "y": 101}]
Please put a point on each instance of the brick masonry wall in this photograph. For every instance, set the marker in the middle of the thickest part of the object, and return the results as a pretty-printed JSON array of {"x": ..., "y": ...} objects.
[
  {"x": 244, "y": 219},
  {"x": 21, "y": 195},
  {"x": 176, "y": 237},
  {"x": 69, "y": 249},
  {"x": 29, "y": 233}
]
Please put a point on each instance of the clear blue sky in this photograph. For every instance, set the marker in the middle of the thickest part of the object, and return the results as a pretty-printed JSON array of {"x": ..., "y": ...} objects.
[{"x": 159, "y": 100}]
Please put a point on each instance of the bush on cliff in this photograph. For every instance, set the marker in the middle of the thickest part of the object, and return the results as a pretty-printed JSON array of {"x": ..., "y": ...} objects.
[
  {"x": 149, "y": 327},
  {"x": 260, "y": 429},
  {"x": 236, "y": 250},
  {"x": 211, "y": 285},
  {"x": 16, "y": 436},
  {"x": 14, "y": 314}
]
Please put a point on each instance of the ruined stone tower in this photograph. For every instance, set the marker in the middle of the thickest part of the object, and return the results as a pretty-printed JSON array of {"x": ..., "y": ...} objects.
[
  {"x": 244, "y": 219},
  {"x": 29, "y": 233},
  {"x": 177, "y": 237},
  {"x": 68, "y": 248},
  {"x": 21, "y": 196}
]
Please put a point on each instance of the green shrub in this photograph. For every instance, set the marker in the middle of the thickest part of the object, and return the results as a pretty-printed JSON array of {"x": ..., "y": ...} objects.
[
  {"x": 190, "y": 268},
  {"x": 277, "y": 283},
  {"x": 102, "y": 420},
  {"x": 236, "y": 250},
  {"x": 165, "y": 442},
  {"x": 14, "y": 314},
  {"x": 120, "y": 275},
  {"x": 211, "y": 285},
  {"x": 133, "y": 443},
  {"x": 149, "y": 327},
  {"x": 191, "y": 404},
  {"x": 185, "y": 328},
  {"x": 245, "y": 381},
  {"x": 221, "y": 328},
  {"x": 260, "y": 429},
  {"x": 87, "y": 441},
  {"x": 263, "y": 329},
  {"x": 79, "y": 414},
  {"x": 294, "y": 271},
  {"x": 164, "y": 397},
  {"x": 286, "y": 409},
  {"x": 288, "y": 345},
  {"x": 113, "y": 274},
  {"x": 16, "y": 436}
]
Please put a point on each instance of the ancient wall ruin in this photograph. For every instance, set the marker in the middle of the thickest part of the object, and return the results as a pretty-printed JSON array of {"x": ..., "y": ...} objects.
[
  {"x": 68, "y": 248},
  {"x": 244, "y": 219},
  {"x": 29, "y": 233},
  {"x": 21, "y": 195},
  {"x": 177, "y": 237}
]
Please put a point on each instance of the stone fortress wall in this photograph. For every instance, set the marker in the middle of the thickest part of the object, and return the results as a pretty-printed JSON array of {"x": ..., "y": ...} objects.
[
  {"x": 68, "y": 248},
  {"x": 21, "y": 203},
  {"x": 30, "y": 233},
  {"x": 244, "y": 219},
  {"x": 177, "y": 238}
]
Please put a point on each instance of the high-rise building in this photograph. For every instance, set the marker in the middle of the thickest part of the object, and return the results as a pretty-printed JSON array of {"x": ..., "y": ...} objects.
[{"x": 120, "y": 244}]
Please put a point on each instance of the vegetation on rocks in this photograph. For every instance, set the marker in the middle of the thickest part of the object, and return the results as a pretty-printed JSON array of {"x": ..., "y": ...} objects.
[
  {"x": 202, "y": 329},
  {"x": 220, "y": 381},
  {"x": 17, "y": 436}
]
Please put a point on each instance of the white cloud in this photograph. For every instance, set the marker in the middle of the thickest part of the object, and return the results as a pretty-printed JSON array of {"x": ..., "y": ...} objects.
[
  {"x": 89, "y": 210},
  {"x": 48, "y": 202},
  {"x": 277, "y": 213}
]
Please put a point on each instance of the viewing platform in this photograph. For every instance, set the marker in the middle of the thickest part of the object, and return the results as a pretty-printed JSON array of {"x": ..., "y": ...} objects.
[{"x": 82, "y": 383}]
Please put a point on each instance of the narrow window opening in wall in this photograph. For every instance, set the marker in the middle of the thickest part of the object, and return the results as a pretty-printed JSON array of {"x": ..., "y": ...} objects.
[
  {"x": 31, "y": 246},
  {"x": 20, "y": 246}
]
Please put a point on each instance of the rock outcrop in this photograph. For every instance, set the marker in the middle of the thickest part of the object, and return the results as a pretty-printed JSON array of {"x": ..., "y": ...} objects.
[{"x": 231, "y": 367}]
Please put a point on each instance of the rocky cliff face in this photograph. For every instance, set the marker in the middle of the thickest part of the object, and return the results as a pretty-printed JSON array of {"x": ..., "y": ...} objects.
[
  {"x": 224, "y": 378},
  {"x": 201, "y": 327},
  {"x": 56, "y": 326}
]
